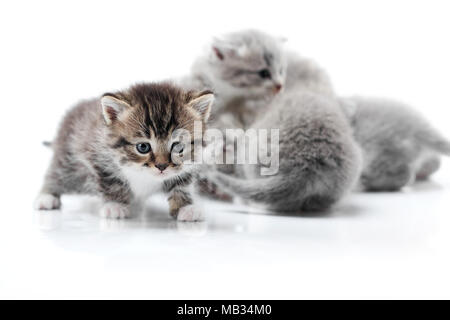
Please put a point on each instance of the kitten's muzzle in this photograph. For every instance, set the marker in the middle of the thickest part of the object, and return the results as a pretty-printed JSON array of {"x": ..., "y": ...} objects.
[
  {"x": 277, "y": 88},
  {"x": 161, "y": 166}
]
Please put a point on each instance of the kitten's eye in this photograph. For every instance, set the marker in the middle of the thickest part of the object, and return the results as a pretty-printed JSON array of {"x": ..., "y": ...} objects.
[
  {"x": 265, "y": 74},
  {"x": 143, "y": 147},
  {"x": 177, "y": 148}
]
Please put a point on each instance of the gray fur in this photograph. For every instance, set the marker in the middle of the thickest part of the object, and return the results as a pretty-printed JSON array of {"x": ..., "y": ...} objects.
[
  {"x": 399, "y": 146},
  {"x": 242, "y": 95},
  {"x": 405, "y": 150},
  {"x": 92, "y": 157},
  {"x": 80, "y": 145},
  {"x": 319, "y": 160}
]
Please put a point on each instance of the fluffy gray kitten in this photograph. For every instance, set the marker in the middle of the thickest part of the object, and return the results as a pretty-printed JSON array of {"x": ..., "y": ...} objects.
[
  {"x": 387, "y": 165},
  {"x": 123, "y": 147},
  {"x": 319, "y": 162},
  {"x": 259, "y": 85},
  {"x": 246, "y": 70},
  {"x": 399, "y": 146}
]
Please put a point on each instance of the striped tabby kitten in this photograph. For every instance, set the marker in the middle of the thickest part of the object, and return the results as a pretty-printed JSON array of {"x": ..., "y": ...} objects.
[{"x": 124, "y": 147}]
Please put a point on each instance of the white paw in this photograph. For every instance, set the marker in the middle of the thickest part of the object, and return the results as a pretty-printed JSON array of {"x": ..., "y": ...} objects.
[
  {"x": 190, "y": 213},
  {"x": 114, "y": 210},
  {"x": 46, "y": 201}
]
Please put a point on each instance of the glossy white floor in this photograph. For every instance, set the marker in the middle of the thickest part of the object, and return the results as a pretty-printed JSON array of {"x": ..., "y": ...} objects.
[{"x": 392, "y": 245}]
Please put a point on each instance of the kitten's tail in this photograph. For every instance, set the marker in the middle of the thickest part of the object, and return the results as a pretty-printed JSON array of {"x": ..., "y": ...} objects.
[
  {"x": 434, "y": 141},
  {"x": 274, "y": 192},
  {"x": 252, "y": 189}
]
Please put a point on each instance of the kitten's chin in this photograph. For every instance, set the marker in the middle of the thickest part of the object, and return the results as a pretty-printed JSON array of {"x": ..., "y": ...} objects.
[
  {"x": 166, "y": 174},
  {"x": 163, "y": 175},
  {"x": 151, "y": 172}
]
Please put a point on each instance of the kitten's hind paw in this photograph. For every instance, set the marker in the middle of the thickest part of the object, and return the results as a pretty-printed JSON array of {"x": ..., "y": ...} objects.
[
  {"x": 114, "y": 210},
  {"x": 190, "y": 213},
  {"x": 46, "y": 201}
]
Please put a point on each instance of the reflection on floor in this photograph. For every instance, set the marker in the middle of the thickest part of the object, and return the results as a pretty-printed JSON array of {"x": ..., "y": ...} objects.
[{"x": 370, "y": 246}]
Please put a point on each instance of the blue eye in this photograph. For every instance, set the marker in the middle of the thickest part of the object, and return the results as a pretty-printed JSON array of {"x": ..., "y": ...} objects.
[
  {"x": 265, "y": 74},
  {"x": 143, "y": 147}
]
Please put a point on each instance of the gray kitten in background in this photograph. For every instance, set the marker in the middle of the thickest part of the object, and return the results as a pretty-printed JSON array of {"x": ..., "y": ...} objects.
[
  {"x": 123, "y": 148},
  {"x": 319, "y": 161},
  {"x": 399, "y": 146},
  {"x": 387, "y": 165},
  {"x": 246, "y": 70}
]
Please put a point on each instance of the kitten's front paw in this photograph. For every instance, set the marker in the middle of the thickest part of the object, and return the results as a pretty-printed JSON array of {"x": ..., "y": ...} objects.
[
  {"x": 46, "y": 201},
  {"x": 114, "y": 210},
  {"x": 190, "y": 213}
]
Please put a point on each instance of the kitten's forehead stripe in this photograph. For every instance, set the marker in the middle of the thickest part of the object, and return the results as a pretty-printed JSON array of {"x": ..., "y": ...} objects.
[
  {"x": 159, "y": 104},
  {"x": 147, "y": 123},
  {"x": 172, "y": 123},
  {"x": 140, "y": 134}
]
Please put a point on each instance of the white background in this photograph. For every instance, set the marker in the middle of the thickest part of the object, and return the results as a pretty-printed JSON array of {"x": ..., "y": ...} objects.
[{"x": 54, "y": 53}]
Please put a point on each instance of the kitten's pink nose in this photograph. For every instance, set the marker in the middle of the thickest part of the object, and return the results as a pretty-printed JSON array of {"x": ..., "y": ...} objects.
[
  {"x": 277, "y": 87},
  {"x": 161, "y": 166}
]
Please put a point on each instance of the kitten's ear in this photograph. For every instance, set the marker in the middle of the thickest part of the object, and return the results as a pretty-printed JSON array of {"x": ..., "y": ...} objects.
[
  {"x": 202, "y": 104},
  {"x": 218, "y": 53},
  {"x": 112, "y": 107},
  {"x": 224, "y": 49},
  {"x": 222, "y": 52}
]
